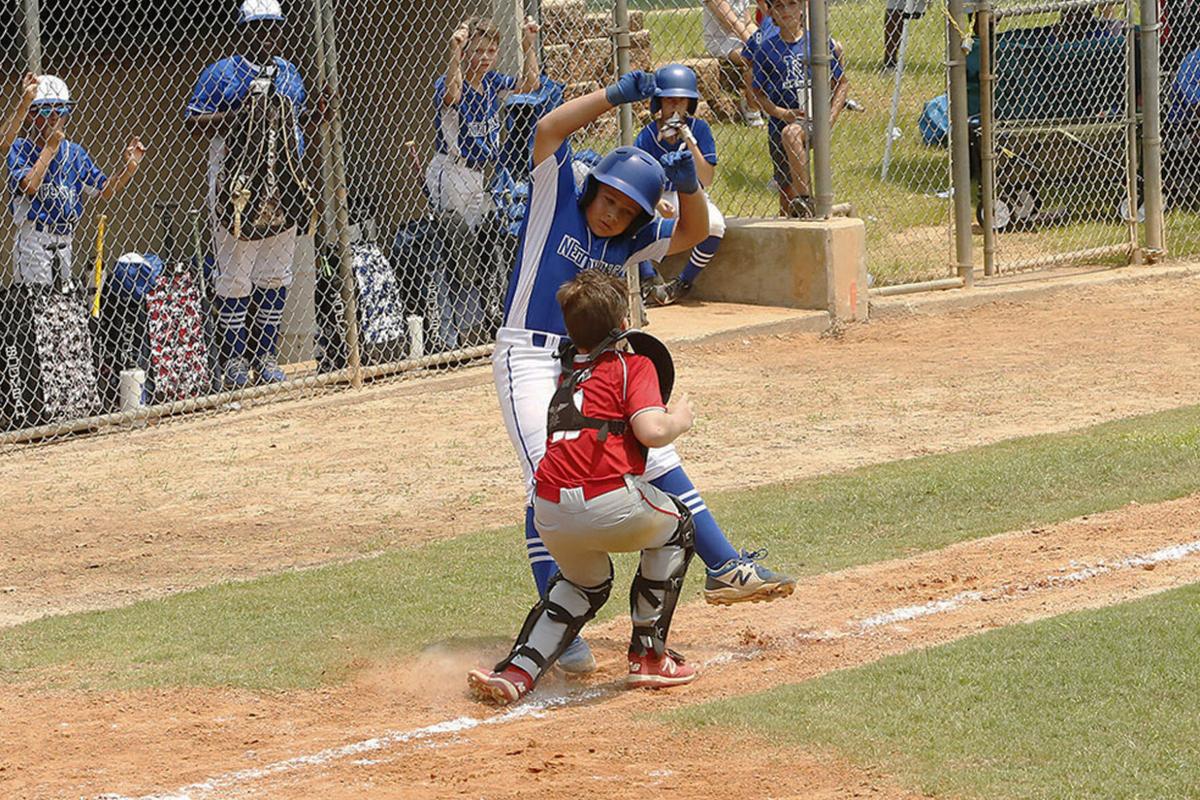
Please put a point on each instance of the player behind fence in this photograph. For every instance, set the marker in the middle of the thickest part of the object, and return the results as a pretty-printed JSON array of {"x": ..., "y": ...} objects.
[
  {"x": 48, "y": 178},
  {"x": 592, "y": 497},
  {"x": 675, "y": 127},
  {"x": 251, "y": 109},
  {"x": 609, "y": 226},
  {"x": 781, "y": 65}
]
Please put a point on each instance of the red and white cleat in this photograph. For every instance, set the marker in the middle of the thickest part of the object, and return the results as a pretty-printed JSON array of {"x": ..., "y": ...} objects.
[
  {"x": 500, "y": 688},
  {"x": 653, "y": 672}
]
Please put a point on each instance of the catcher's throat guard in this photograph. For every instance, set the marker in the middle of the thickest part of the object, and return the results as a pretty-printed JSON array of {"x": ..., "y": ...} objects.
[
  {"x": 261, "y": 189},
  {"x": 564, "y": 416}
]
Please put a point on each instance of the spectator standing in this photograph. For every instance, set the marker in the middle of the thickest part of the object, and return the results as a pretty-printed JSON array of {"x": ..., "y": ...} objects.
[{"x": 728, "y": 25}]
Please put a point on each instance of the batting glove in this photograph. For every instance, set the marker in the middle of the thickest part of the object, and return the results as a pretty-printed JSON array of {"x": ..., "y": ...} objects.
[
  {"x": 632, "y": 87},
  {"x": 681, "y": 171}
]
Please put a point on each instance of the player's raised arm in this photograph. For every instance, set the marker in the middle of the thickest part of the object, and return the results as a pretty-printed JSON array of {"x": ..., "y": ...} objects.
[
  {"x": 531, "y": 74},
  {"x": 692, "y": 227},
  {"x": 12, "y": 128},
  {"x": 554, "y": 128}
]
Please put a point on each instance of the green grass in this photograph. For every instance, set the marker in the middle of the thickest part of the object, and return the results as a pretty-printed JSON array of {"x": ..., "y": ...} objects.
[
  {"x": 909, "y": 227},
  {"x": 308, "y": 628},
  {"x": 1093, "y": 704}
]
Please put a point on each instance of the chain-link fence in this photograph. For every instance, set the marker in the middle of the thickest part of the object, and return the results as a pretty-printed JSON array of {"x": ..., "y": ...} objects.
[
  {"x": 198, "y": 222},
  {"x": 1056, "y": 145}
]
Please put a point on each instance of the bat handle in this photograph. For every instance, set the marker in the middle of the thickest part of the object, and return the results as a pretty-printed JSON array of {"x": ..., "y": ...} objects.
[{"x": 99, "y": 271}]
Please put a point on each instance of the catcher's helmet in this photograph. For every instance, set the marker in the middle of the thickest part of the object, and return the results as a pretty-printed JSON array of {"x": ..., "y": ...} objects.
[
  {"x": 632, "y": 172},
  {"x": 675, "y": 80}
]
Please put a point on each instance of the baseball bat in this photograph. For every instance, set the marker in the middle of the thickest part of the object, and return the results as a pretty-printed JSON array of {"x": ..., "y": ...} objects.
[{"x": 99, "y": 272}]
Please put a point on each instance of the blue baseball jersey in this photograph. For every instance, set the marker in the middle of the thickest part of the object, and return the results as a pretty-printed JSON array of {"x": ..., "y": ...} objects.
[
  {"x": 59, "y": 200},
  {"x": 647, "y": 140},
  {"x": 223, "y": 86},
  {"x": 766, "y": 29},
  {"x": 782, "y": 71},
  {"x": 556, "y": 245},
  {"x": 1185, "y": 89},
  {"x": 470, "y": 130}
]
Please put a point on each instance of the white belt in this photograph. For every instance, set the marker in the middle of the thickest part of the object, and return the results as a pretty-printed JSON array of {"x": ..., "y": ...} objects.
[{"x": 524, "y": 338}]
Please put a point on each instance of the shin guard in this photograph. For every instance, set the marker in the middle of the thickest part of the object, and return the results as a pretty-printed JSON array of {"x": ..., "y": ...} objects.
[
  {"x": 656, "y": 587},
  {"x": 554, "y": 623}
]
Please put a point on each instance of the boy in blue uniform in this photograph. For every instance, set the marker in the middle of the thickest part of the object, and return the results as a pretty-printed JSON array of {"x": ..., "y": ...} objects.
[
  {"x": 257, "y": 271},
  {"x": 466, "y": 104},
  {"x": 48, "y": 178},
  {"x": 609, "y": 226},
  {"x": 675, "y": 129},
  {"x": 782, "y": 77}
]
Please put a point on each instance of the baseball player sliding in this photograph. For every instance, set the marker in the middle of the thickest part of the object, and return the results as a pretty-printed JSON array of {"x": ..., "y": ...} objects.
[
  {"x": 610, "y": 226},
  {"x": 48, "y": 178},
  {"x": 250, "y": 272},
  {"x": 592, "y": 497}
]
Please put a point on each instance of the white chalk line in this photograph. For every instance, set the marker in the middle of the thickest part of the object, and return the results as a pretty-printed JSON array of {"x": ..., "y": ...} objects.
[{"x": 540, "y": 708}]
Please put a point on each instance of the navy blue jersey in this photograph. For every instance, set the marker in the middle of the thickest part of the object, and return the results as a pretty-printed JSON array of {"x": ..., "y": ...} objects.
[
  {"x": 470, "y": 129},
  {"x": 556, "y": 245},
  {"x": 766, "y": 29},
  {"x": 223, "y": 86},
  {"x": 59, "y": 200},
  {"x": 647, "y": 140},
  {"x": 782, "y": 71}
]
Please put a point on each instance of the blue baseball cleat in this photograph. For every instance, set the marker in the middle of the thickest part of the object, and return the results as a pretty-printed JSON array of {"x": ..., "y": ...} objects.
[
  {"x": 237, "y": 374},
  {"x": 577, "y": 659},
  {"x": 744, "y": 580},
  {"x": 269, "y": 371}
]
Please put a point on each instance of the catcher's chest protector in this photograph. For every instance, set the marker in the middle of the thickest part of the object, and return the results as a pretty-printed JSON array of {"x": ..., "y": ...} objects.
[
  {"x": 565, "y": 416},
  {"x": 262, "y": 191}
]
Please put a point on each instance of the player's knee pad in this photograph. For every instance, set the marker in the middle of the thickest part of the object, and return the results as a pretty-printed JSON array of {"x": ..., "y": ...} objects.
[
  {"x": 554, "y": 623},
  {"x": 657, "y": 585}
]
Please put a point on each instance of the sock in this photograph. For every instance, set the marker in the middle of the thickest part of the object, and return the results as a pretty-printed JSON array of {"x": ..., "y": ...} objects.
[
  {"x": 540, "y": 561},
  {"x": 646, "y": 270},
  {"x": 711, "y": 545},
  {"x": 268, "y": 313},
  {"x": 231, "y": 322},
  {"x": 701, "y": 255}
]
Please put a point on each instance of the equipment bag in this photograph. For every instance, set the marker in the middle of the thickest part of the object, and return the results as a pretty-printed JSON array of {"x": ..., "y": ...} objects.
[{"x": 381, "y": 324}]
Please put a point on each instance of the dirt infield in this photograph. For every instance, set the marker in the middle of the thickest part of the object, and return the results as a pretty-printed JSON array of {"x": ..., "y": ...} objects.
[
  {"x": 105, "y": 521},
  {"x": 409, "y": 730}
]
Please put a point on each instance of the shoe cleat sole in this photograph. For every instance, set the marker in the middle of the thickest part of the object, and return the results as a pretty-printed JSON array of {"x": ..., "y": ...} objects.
[{"x": 764, "y": 594}]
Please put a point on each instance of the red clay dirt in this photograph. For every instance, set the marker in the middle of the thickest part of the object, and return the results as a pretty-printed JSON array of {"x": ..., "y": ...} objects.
[
  {"x": 101, "y": 522},
  {"x": 597, "y": 741}
]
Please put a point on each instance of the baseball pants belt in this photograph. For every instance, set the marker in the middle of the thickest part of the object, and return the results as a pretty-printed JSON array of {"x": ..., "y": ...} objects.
[{"x": 524, "y": 338}]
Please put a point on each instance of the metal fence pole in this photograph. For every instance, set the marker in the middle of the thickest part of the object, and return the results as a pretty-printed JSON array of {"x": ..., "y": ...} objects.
[
  {"x": 822, "y": 128},
  {"x": 338, "y": 192},
  {"x": 960, "y": 144},
  {"x": 987, "y": 164},
  {"x": 1152, "y": 179},
  {"x": 622, "y": 45},
  {"x": 33, "y": 36},
  {"x": 325, "y": 144},
  {"x": 1131, "y": 137}
]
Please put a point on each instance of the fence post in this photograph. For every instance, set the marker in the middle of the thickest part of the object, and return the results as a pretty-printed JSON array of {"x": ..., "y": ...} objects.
[
  {"x": 1152, "y": 179},
  {"x": 335, "y": 190},
  {"x": 987, "y": 165},
  {"x": 822, "y": 128},
  {"x": 33, "y": 36},
  {"x": 960, "y": 144},
  {"x": 621, "y": 46}
]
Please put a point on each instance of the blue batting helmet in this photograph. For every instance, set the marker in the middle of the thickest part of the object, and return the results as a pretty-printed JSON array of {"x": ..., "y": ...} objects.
[
  {"x": 675, "y": 80},
  {"x": 632, "y": 172}
]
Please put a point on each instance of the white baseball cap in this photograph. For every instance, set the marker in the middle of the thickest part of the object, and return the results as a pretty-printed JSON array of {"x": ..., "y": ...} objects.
[
  {"x": 254, "y": 10},
  {"x": 52, "y": 91}
]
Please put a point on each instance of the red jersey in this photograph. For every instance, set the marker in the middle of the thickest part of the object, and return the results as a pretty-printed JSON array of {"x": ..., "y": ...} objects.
[{"x": 620, "y": 386}]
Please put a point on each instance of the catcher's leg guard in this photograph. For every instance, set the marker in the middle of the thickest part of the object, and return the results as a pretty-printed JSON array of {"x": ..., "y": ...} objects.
[
  {"x": 656, "y": 587},
  {"x": 554, "y": 623}
]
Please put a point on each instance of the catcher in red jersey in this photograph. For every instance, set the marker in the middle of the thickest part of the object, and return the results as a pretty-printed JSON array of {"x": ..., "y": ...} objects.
[{"x": 591, "y": 497}]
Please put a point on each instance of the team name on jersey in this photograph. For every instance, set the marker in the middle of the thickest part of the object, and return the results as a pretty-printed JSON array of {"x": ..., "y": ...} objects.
[
  {"x": 797, "y": 73},
  {"x": 573, "y": 250},
  {"x": 60, "y": 192},
  {"x": 484, "y": 128}
]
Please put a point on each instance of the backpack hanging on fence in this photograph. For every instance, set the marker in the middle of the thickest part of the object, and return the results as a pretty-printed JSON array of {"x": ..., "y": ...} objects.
[
  {"x": 261, "y": 189},
  {"x": 47, "y": 374},
  {"x": 152, "y": 316},
  {"x": 381, "y": 323}
]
